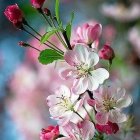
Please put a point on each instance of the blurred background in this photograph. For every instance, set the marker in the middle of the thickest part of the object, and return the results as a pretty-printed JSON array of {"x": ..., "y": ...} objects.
[{"x": 24, "y": 83}]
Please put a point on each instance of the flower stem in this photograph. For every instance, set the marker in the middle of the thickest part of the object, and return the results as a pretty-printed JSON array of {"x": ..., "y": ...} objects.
[
  {"x": 39, "y": 40},
  {"x": 57, "y": 33},
  {"x": 25, "y": 22},
  {"x": 79, "y": 115},
  {"x": 34, "y": 48},
  {"x": 67, "y": 40},
  {"x": 88, "y": 114},
  {"x": 51, "y": 25}
]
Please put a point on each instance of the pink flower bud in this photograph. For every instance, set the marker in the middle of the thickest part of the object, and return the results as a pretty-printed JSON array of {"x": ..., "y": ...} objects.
[
  {"x": 49, "y": 133},
  {"x": 37, "y": 3},
  {"x": 14, "y": 14},
  {"x": 107, "y": 53},
  {"x": 109, "y": 128}
]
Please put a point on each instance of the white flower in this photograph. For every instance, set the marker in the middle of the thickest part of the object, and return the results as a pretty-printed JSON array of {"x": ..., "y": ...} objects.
[
  {"x": 63, "y": 105},
  {"x": 81, "y": 68},
  {"x": 108, "y": 104}
]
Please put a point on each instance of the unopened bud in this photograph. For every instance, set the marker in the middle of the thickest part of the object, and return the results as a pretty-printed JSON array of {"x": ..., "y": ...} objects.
[
  {"x": 107, "y": 53},
  {"x": 47, "y": 11},
  {"x": 23, "y": 44}
]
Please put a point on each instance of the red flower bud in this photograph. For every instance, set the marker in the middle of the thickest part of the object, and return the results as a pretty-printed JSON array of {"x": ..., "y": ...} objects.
[
  {"x": 23, "y": 44},
  {"x": 50, "y": 133},
  {"x": 14, "y": 14},
  {"x": 37, "y": 3},
  {"x": 109, "y": 128},
  {"x": 47, "y": 11},
  {"x": 107, "y": 53}
]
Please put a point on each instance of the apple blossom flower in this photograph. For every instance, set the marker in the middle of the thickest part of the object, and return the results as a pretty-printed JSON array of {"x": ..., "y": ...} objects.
[
  {"x": 81, "y": 68},
  {"x": 88, "y": 33},
  {"x": 109, "y": 128},
  {"x": 106, "y": 53},
  {"x": 64, "y": 105},
  {"x": 49, "y": 133},
  {"x": 14, "y": 14},
  {"x": 37, "y": 3},
  {"x": 82, "y": 131},
  {"x": 108, "y": 103}
]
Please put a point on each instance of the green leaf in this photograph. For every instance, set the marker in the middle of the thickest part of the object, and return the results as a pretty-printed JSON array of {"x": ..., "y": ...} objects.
[
  {"x": 68, "y": 30},
  {"x": 47, "y": 35},
  {"x": 69, "y": 26},
  {"x": 57, "y": 6},
  {"x": 48, "y": 56},
  {"x": 72, "y": 17}
]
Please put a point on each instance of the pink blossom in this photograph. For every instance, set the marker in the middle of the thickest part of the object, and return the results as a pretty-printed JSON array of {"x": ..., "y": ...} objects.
[
  {"x": 49, "y": 133},
  {"x": 82, "y": 131},
  {"x": 108, "y": 103},
  {"x": 109, "y": 128},
  {"x": 81, "y": 62},
  {"x": 37, "y": 3},
  {"x": 107, "y": 53},
  {"x": 88, "y": 33}
]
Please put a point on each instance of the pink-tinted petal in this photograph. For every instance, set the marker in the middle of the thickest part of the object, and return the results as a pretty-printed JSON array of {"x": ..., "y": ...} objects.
[
  {"x": 119, "y": 93},
  {"x": 92, "y": 83},
  {"x": 88, "y": 130},
  {"x": 101, "y": 118},
  {"x": 116, "y": 116},
  {"x": 63, "y": 91},
  {"x": 67, "y": 74},
  {"x": 82, "y": 52},
  {"x": 96, "y": 32},
  {"x": 80, "y": 86},
  {"x": 71, "y": 57},
  {"x": 124, "y": 102}
]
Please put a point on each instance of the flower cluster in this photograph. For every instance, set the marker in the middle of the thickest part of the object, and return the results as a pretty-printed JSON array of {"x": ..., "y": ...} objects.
[{"x": 88, "y": 107}]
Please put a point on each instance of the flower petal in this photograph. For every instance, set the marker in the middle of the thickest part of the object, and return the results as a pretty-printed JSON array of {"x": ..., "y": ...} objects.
[
  {"x": 80, "y": 86},
  {"x": 82, "y": 52},
  {"x": 116, "y": 116},
  {"x": 95, "y": 31},
  {"x": 124, "y": 102},
  {"x": 67, "y": 74},
  {"x": 93, "y": 59},
  {"x": 100, "y": 75},
  {"x": 92, "y": 83},
  {"x": 63, "y": 91},
  {"x": 71, "y": 57},
  {"x": 101, "y": 118},
  {"x": 88, "y": 130}
]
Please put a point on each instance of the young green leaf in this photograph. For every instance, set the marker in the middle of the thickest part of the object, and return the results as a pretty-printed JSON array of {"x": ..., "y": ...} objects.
[
  {"x": 57, "y": 11},
  {"x": 48, "y": 56},
  {"x": 69, "y": 26},
  {"x": 68, "y": 30},
  {"x": 47, "y": 35}
]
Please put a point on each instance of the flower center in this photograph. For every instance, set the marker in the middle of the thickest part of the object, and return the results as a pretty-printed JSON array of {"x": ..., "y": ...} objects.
[
  {"x": 83, "y": 70},
  {"x": 65, "y": 102},
  {"x": 109, "y": 104}
]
